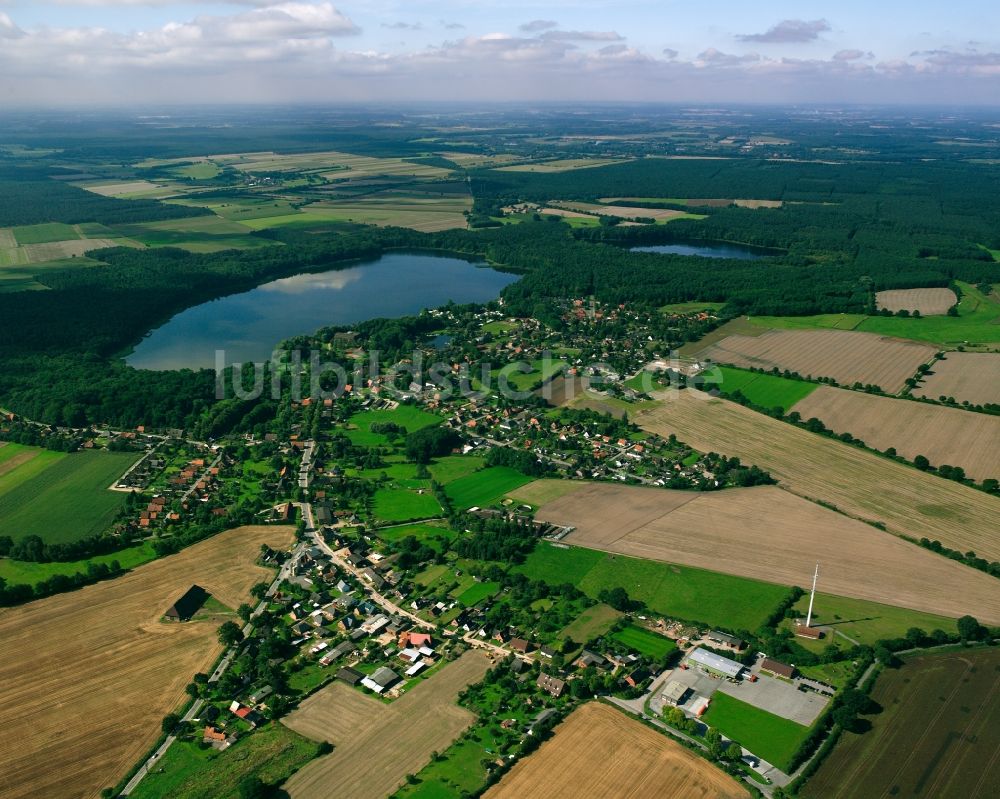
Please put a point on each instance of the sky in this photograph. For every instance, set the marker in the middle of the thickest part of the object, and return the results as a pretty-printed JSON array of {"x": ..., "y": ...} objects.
[{"x": 72, "y": 52}]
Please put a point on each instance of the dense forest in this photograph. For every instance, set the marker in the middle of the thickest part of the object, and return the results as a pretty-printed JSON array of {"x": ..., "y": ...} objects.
[{"x": 39, "y": 199}]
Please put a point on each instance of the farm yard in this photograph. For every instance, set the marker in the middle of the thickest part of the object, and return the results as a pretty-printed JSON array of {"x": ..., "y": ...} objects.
[
  {"x": 846, "y": 356},
  {"x": 942, "y": 435},
  {"x": 377, "y": 745},
  {"x": 634, "y": 761},
  {"x": 935, "y": 736},
  {"x": 972, "y": 377},
  {"x": 766, "y": 533},
  {"x": 666, "y": 588},
  {"x": 858, "y": 483},
  {"x": 56, "y": 496},
  {"x": 98, "y": 668},
  {"x": 929, "y": 302}
]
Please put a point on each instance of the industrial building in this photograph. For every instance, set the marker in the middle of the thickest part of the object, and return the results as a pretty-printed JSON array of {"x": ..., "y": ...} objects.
[{"x": 716, "y": 664}]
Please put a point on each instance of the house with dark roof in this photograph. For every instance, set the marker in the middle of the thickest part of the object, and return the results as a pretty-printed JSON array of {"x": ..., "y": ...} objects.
[
  {"x": 189, "y": 604},
  {"x": 553, "y": 685},
  {"x": 350, "y": 676}
]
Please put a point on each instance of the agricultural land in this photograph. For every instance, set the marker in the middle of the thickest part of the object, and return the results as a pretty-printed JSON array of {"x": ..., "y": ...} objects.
[
  {"x": 857, "y": 482},
  {"x": 98, "y": 667},
  {"x": 942, "y": 435},
  {"x": 59, "y": 497},
  {"x": 934, "y": 735},
  {"x": 768, "y": 534},
  {"x": 929, "y": 302},
  {"x": 375, "y": 745},
  {"x": 635, "y": 761},
  {"x": 967, "y": 376},
  {"x": 846, "y": 356}
]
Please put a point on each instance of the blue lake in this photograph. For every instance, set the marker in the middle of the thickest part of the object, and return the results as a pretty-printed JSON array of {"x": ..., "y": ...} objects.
[
  {"x": 247, "y": 326},
  {"x": 706, "y": 250}
]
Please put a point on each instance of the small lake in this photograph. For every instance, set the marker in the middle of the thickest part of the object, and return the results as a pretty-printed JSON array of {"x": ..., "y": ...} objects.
[
  {"x": 707, "y": 250},
  {"x": 249, "y": 325}
]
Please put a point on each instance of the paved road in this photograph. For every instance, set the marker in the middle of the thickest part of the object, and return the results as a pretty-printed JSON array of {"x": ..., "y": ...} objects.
[{"x": 216, "y": 675}]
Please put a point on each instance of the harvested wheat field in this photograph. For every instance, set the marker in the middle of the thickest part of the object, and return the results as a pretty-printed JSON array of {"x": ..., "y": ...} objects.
[
  {"x": 966, "y": 376},
  {"x": 943, "y": 435},
  {"x": 928, "y": 301},
  {"x": 378, "y": 744},
  {"x": 88, "y": 675},
  {"x": 767, "y": 533},
  {"x": 859, "y": 483},
  {"x": 599, "y": 752},
  {"x": 625, "y": 211},
  {"x": 845, "y": 355}
]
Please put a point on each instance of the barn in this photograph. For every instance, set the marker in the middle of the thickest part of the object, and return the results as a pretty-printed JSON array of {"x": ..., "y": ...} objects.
[{"x": 189, "y": 604}]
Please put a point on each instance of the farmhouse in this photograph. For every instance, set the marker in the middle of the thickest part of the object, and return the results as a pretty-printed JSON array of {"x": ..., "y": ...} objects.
[
  {"x": 189, "y": 604},
  {"x": 382, "y": 679},
  {"x": 551, "y": 684},
  {"x": 350, "y": 676},
  {"x": 675, "y": 693},
  {"x": 725, "y": 639},
  {"x": 520, "y": 645},
  {"x": 778, "y": 669},
  {"x": 716, "y": 664}
]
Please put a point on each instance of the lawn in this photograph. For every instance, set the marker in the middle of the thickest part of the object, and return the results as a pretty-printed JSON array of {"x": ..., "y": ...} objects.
[
  {"x": 407, "y": 416},
  {"x": 458, "y": 771},
  {"x": 476, "y": 593},
  {"x": 451, "y": 467},
  {"x": 204, "y": 170},
  {"x": 592, "y": 623},
  {"x": 484, "y": 488},
  {"x": 644, "y": 642},
  {"x": 16, "y": 571},
  {"x": 62, "y": 497},
  {"x": 692, "y": 307},
  {"x": 678, "y": 591},
  {"x": 863, "y": 621},
  {"x": 513, "y": 377},
  {"x": 403, "y": 504},
  {"x": 837, "y": 674},
  {"x": 421, "y": 531},
  {"x": 186, "y": 771},
  {"x": 770, "y": 737}
]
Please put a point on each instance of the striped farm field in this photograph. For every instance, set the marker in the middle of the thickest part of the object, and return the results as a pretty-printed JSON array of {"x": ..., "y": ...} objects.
[
  {"x": 599, "y": 752},
  {"x": 96, "y": 669},
  {"x": 929, "y": 302},
  {"x": 766, "y": 534},
  {"x": 845, "y": 355},
  {"x": 943, "y": 435},
  {"x": 376, "y": 745},
  {"x": 859, "y": 483},
  {"x": 59, "y": 497}
]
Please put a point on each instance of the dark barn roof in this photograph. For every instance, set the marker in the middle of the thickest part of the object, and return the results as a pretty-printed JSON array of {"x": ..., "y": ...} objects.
[{"x": 189, "y": 604}]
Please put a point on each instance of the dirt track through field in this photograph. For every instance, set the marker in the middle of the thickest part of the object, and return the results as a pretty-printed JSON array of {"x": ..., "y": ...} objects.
[
  {"x": 942, "y": 435},
  {"x": 845, "y": 355},
  {"x": 859, "y": 483},
  {"x": 20, "y": 459},
  {"x": 86, "y": 676},
  {"x": 600, "y": 753},
  {"x": 768, "y": 534},
  {"x": 972, "y": 376},
  {"x": 376, "y": 745}
]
